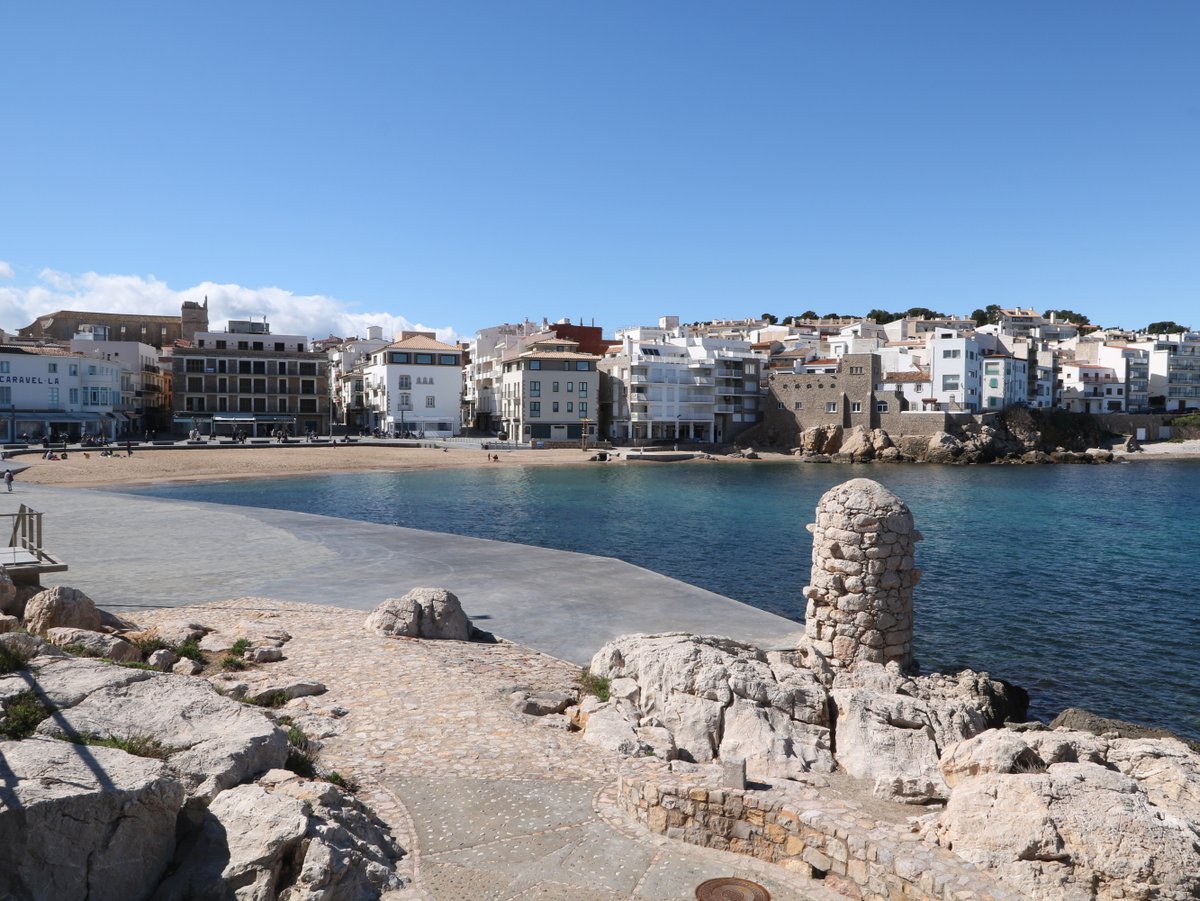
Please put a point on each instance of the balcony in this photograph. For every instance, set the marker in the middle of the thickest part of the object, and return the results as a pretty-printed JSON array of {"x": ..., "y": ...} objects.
[{"x": 725, "y": 408}]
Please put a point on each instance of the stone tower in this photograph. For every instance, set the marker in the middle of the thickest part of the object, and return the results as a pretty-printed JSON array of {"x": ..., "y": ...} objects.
[
  {"x": 860, "y": 602},
  {"x": 193, "y": 318}
]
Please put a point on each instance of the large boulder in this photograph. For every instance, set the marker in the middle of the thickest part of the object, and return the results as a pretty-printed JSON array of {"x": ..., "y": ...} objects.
[
  {"x": 943, "y": 448},
  {"x": 719, "y": 698},
  {"x": 286, "y": 838},
  {"x": 212, "y": 742},
  {"x": 12, "y": 602},
  {"x": 61, "y": 606},
  {"x": 95, "y": 644},
  {"x": 1077, "y": 830},
  {"x": 422, "y": 613},
  {"x": 84, "y": 822},
  {"x": 858, "y": 444},
  {"x": 893, "y": 730}
]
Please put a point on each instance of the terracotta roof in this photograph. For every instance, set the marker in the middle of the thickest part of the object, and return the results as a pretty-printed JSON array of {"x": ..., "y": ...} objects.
[
  {"x": 420, "y": 342},
  {"x": 820, "y": 363},
  {"x": 906, "y": 377}
]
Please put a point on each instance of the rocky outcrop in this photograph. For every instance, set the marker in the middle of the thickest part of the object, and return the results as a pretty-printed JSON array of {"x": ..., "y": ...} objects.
[
  {"x": 287, "y": 838},
  {"x": 12, "y": 602},
  {"x": 892, "y": 729},
  {"x": 61, "y": 606},
  {"x": 715, "y": 697},
  {"x": 95, "y": 644},
  {"x": 943, "y": 448},
  {"x": 84, "y": 822},
  {"x": 862, "y": 578},
  {"x": 211, "y": 742},
  {"x": 422, "y": 613}
]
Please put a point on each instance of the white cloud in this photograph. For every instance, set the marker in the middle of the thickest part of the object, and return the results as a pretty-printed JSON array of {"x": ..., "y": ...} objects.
[
  {"x": 314, "y": 315},
  {"x": 6, "y": 270}
]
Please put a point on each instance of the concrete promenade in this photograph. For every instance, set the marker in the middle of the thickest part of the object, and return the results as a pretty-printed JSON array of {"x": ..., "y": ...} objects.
[{"x": 138, "y": 551}]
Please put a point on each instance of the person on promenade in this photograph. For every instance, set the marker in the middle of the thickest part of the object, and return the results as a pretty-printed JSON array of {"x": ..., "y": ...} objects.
[{"x": 8, "y": 479}]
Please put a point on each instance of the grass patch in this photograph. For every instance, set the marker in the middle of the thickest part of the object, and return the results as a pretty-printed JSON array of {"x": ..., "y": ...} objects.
[
  {"x": 137, "y": 745},
  {"x": 22, "y": 715},
  {"x": 77, "y": 650},
  {"x": 151, "y": 644},
  {"x": 130, "y": 665},
  {"x": 335, "y": 778},
  {"x": 229, "y": 661},
  {"x": 240, "y": 647},
  {"x": 592, "y": 684},
  {"x": 300, "y": 756},
  {"x": 273, "y": 700},
  {"x": 11, "y": 660},
  {"x": 191, "y": 650}
]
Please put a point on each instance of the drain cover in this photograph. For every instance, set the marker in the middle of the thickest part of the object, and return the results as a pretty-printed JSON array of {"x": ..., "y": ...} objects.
[{"x": 729, "y": 888}]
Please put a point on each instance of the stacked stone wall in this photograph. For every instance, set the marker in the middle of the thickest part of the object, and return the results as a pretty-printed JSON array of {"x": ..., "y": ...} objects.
[
  {"x": 803, "y": 832},
  {"x": 863, "y": 574}
]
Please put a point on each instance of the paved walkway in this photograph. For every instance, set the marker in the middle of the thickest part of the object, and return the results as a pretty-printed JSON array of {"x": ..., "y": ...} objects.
[
  {"x": 130, "y": 550},
  {"x": 490, "y": 805}
]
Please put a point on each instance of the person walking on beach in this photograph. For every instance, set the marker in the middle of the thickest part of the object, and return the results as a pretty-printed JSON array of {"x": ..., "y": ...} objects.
[{"x": 8, "y": 477}]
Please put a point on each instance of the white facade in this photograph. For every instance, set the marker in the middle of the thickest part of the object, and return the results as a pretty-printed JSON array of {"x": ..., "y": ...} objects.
[
  {"x": 1004, "y": 382},
  {"x": 548, "y": 391},
  {"x": 57, "y": 394},
  {"x": 1091, "y": 388},
  {"x": 667, "y": 385},
  {"x": 483, "y": 373},
  {"x": 346, "y": 376},
  {"x": 1174, "y": 370},
  {"x": 413, "y": 387},
  {"x": 143, "y": 401},
  {"x": 954, "y": 365}
]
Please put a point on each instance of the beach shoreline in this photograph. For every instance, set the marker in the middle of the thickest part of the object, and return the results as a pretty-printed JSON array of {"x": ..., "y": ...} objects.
[{"x": 154, "y": 465}]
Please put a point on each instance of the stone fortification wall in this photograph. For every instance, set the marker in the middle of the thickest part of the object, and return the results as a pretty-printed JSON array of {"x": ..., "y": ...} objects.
[
  {"x": 802, "y": 830},
  {"x": 860, "y": 597},
  {"x": 921, "y": 424}
]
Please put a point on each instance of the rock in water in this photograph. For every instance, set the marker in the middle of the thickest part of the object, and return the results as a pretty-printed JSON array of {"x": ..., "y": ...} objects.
[{"x": 422, "y": 613}]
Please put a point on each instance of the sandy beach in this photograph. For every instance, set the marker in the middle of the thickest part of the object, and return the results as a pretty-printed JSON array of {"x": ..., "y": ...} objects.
[{"x": 86, "y": 469}]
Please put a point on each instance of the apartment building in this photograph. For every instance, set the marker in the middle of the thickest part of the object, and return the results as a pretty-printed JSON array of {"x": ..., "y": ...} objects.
[
  {"x": 1005, "y": 381},
  {"x": 1173, "y": 364},
  {"x": 347, "y": 401},
  {"x": 548, "y": 390},
  {"x": 954, "y": 366},
  {"x": 143, "y": 404},
  {"x": 48, "y": 391},
  {"x": 413, "y": 387},
  {"x": 1091, "y": 388},
  {"x": 246, "y": 379}
]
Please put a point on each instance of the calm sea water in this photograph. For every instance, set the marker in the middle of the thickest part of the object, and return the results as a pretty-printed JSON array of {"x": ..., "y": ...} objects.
[{"x": 1080, "y": 583}]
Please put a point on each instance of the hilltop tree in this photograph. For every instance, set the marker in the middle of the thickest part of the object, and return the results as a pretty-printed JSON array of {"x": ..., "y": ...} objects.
[
  {"x": 883, "y": 317},
  {"x": 922, "y": 313},
  {"x": 1166, "y": 327},
  {"x": 989, "y": 315},
  {"x": 1068, "y": 316},
  {"x": 769, "y": 318}
]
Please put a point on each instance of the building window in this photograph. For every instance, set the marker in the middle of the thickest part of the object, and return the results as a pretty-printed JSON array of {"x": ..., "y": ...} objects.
[
  {"x": 430, "y": 400},
  {"x": 535, "y": 364},
  {"x": 308, "y": 406},
  {"x": 535, "y": 389},
  {"x": 54, "y": 397},
  {"x": 221, "y": 345},
  {"x": 74, "y": 396},
  {"x": 447, "y": 360},
  {"x": 308, "y": 386},
  {"x": 951, "y": 354},
  {"x": 72, "y": 368},
  {"x": 583, "y": 409},
  {"x": 831, "y": 407},
  {"x": 570, "y": 407},
  {"x": 796, "y": 406},
  {"x": 53, "y": 367},
  {"x": 950, "y": 383},
  {"x": 195, "y": 385},
  {"x": 881, "y": 406},
  {"x": 535, "y": 409},
  {"x": 423, "y": 359},
  {"x": 856, "y": 370},
  {"x": 279, "y": 347},
  {"x": 583, "y": 389},
  {"x": 404, "y": 402},
  {"x": 555, "y": 388},
  {"x": 405, "y": 382},
  {"x": 554, "y": 407},
  {"x": 583, "y": 366},
  {"x": 855, "y": 406},
  {"x": 570, "y": 387}
]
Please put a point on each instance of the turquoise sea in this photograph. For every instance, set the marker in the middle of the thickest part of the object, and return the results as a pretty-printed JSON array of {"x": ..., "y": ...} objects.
[{"x": 1080, "y": 583}]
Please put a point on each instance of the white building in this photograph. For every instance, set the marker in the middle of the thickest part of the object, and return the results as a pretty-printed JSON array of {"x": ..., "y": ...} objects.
[
  {"x": 413, "y": 387},
  {"x": 1005, "y": 381},
  {"x": 1174, "y": 370},
  {"x": 548, "y": 391},
  {"x": 47, "y": 391},
  {"x": 669, "y": 384},
  {"x": 954, "y": 366},
  {"x": 1091, "y": 388},
  {"x": 143, "y": 404},
  {"x": 348, "y": 404}
]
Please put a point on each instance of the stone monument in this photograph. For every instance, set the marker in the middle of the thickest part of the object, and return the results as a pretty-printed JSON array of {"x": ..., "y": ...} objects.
[{"x": 860, "y": 602}]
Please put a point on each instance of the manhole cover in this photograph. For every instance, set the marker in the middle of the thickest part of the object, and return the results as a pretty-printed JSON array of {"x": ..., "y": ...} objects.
[{"x": 729, "y": 888}]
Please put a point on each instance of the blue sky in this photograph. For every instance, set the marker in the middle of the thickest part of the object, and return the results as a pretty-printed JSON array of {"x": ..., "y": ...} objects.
[{"x": 459, "y": 164}]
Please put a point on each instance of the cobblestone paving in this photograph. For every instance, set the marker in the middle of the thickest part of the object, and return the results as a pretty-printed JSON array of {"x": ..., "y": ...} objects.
[{"x": 491, "y": 805}]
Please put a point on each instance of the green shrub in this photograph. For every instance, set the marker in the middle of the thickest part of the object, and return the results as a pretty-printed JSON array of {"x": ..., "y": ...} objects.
[
  {"x": 149, "y": 645},
  {"x": 191, "y": 650},
  {"x": 300, "y": 758},
  {"x": 335, "y": 778},
  {"x": 593, "y": 685},
  {"x": 240, "y": 647},
  {"x": 11, "y": 660},
  {"x": 229, "y": 661},
  {"x": 22, "y": 714},
  {"x": 137, "y": 745}
]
